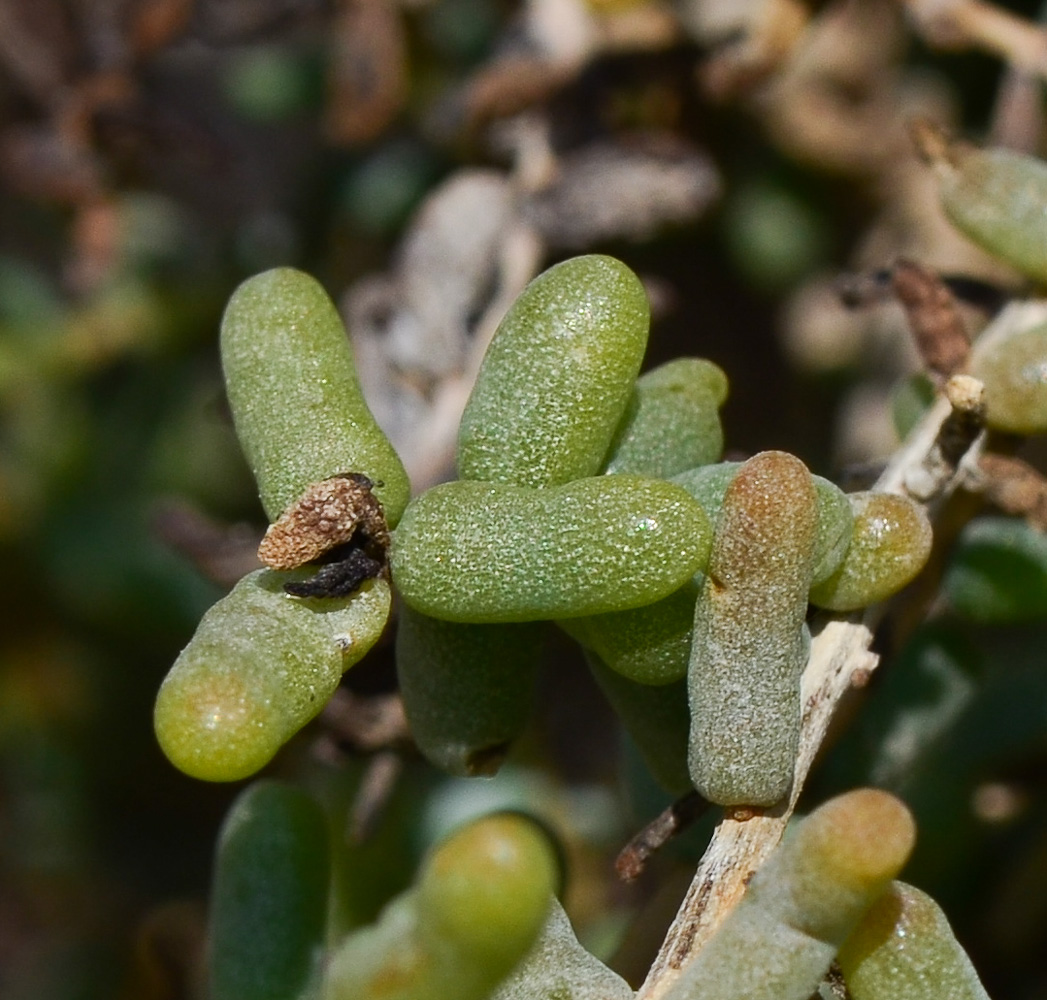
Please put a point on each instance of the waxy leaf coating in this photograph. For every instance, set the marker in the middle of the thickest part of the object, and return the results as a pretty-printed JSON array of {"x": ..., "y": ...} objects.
[
  {"x": 260, "y": 666},
  {"x": 749, "y": 646},
  {"x": 557, "y": 377},
  {"x": 269, "y": 898},
  {"x": 297, "y": 405},
  {"x": 485, "y": 552}
]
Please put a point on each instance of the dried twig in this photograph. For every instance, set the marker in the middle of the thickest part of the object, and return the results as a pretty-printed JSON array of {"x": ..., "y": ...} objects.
[
  {"x": 870, "y": 288},
  {"x": 376, "y": 789},
  {"x": 367, "y": 723},
  {"x": 934, "y": 318},
  {"x": 966, "y": 396},
  {"x": 667, "y": 824},
  {"x": 1015, "y": 487}
]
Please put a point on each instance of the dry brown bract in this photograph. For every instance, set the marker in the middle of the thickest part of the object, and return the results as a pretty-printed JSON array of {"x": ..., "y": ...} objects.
[
  {"x": 326, "y": 515},
  {"x": 1016, "y": 487},
  {"x": 934, "y": 318}
]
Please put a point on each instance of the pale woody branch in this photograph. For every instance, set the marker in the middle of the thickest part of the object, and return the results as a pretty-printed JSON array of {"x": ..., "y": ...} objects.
[{"x": 840, "y": 657}]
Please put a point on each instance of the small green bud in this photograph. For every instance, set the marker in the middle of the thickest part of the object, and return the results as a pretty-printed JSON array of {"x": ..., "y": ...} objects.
[
  {"x": 835, "y": 528},
  {"x": 890, "y": 544},
  {"x": 708, "y": 485},
  {"x": 488, "y": 886}
]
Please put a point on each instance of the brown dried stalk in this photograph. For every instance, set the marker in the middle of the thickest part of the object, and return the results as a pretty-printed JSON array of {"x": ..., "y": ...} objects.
[
  {"x": 1016, "y": 487},
  {"x": 222, "y": 553},
  {"x": 670, "y": 822},
  {"x": 934, "y": 317}
]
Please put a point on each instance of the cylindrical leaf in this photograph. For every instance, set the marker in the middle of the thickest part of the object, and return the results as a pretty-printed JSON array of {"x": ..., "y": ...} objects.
[
  {"x": 269, "y": 897},
  {"x": 260, "y": 666},
  {"x": 672, "y": 422},
  {"x": 708, "y": 485},
  {"x": 480, "y": 902},
  {"x": 890, "y": 544},
  {"x": 904, "y": 947},
  {"x": 656, "y": 718},
  {"x": 779, "y": 941},
  {"x": 649, "y": 645},
  {"x": 557, "y": 376},
  {"x": 995, "y": 197},
  {"x": 749, "y": 647},
  {"x": 483, "y": 552},
  {"x": 467, "y": 689},
  {"x": 291, "y": 380},
  {"x": 1012, "y": 363}
]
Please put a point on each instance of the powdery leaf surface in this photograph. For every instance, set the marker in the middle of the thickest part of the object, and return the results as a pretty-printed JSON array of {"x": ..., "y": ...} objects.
[
  {"x": 482, "y": 552},
  {"x": 557, "y": 376}
]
